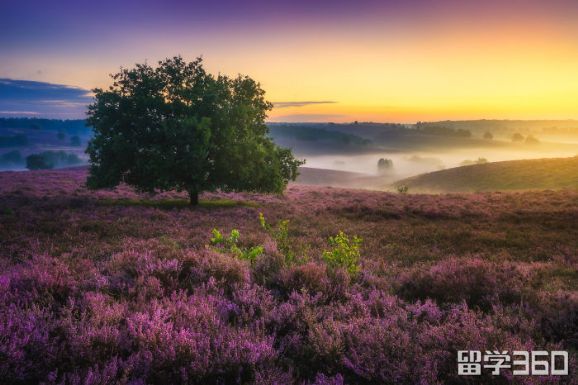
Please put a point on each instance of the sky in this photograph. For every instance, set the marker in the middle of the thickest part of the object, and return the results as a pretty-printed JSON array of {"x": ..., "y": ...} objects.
[{"x": 365, "y": 60}]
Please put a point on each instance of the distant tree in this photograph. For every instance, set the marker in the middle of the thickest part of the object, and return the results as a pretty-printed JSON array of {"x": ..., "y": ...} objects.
[
  {"x": 61, "y": 135},
  {"x": 517, "y": 137},
  {"x": 39, "y": 162},
  {"x": 384, "y": 164},
  {"x": 50, "y": 159},
  {"x": 402, "y": 188},
  {"x": 75, "y": 141},
  {"x": 177, "y": 127},
  {"x": 488, "y": 135}
]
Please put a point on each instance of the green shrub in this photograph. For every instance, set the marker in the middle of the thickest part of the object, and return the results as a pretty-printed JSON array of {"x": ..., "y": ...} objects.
[
  {"x": 230, "y": 243},
  {"x": 344, "y": 253},
  {"x": 50, "y": 159},
  {"x": 402, "y": 189},
  {"x": 280, "y": 233}
]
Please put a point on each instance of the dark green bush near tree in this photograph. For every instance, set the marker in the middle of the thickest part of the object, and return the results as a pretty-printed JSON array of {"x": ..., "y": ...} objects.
[
  {"x": 178, "y": 127},
  {"x": 50, "y": 159},
  {"x": 38, "y": 162}
]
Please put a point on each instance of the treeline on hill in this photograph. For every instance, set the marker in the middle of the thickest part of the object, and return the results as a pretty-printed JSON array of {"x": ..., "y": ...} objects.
[
  {"x": 360, "y": 137},
  {"x": 360, "y": 133},
  {"x": 325, "y": 131},
  {"x": 315, "y": 134},
  {"x": 441, "y": 129},
  {"x": 509, "y": 126}
]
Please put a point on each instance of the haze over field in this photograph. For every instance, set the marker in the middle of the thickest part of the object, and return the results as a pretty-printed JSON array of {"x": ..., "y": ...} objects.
[{"x": 354, "y": 149}]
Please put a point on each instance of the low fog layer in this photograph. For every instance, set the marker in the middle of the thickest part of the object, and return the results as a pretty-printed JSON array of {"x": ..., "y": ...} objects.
[
  {"x": 363, "y": 155},
  {"x": 409, "y": 150}
]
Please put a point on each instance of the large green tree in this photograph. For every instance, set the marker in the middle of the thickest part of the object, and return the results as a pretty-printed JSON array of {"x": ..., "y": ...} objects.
[{"x": 175, "y": 126}]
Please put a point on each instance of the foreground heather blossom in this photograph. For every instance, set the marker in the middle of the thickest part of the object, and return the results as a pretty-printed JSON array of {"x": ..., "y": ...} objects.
[{"x": 97, "y": 291}]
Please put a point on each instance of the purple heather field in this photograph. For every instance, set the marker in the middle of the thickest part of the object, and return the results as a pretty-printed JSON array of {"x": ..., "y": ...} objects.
[{"x": 115, "y": 287}]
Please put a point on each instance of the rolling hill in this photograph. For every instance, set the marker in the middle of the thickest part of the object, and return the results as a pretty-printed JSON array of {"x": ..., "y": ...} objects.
[{"x": 531, "y": 174}]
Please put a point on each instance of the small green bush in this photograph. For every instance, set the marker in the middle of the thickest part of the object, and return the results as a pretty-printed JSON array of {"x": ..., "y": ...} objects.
[
  {"x": 344, "y": 253},
  {"x": 402, "y": 189},
  {"x": 230, "y": 243},
  {"x": 280, "y": 234}
]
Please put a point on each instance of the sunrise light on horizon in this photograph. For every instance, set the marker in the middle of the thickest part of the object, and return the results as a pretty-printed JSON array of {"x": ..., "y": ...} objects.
[{"x": 328, "y": 61}]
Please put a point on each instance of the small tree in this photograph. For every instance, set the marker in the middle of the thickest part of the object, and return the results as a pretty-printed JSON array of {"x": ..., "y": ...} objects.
[
  {"x": 344, "y": 253},
  {"x": 488, "y": 135},
  {"x": 177, "y": 127},
  {"x": 402, "y": 188},
  {"x": 384, "y": 164},
  {"x": 517, "y": 137}
]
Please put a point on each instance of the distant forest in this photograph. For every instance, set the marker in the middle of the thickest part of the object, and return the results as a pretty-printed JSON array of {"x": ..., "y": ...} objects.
[
  {"x": 508, "y": 126},
  {"x": 31, "y": 135},
  {"x": 326, "y": 131}
]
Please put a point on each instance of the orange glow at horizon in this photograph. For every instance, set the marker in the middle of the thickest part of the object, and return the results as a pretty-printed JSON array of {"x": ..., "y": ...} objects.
[
  {"x": 517, "y": 73},
  {"x": 456, "y": 69}
]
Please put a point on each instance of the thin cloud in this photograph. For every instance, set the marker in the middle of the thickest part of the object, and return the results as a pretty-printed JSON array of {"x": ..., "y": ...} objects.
[
  {"x": 301, "y": 104},
  {"x": 18, "y": 113},
  {"x": 26, "y": 97},
  {"x": 304, "y": 118}
]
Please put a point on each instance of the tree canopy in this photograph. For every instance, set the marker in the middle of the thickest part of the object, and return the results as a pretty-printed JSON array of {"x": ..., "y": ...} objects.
[{"x": 178, "y": 127}]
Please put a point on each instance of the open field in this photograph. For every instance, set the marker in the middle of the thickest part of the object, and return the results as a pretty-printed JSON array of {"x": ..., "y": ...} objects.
[
  {"x": 530, "y": 174},
  {"x": 114, "y": 287}
]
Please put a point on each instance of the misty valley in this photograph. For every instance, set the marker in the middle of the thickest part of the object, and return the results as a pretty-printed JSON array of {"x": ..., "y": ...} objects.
[{"x": 336, "y": 154}]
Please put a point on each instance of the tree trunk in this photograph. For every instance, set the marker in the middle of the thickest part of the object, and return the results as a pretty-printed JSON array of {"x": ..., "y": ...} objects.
[{"x": 193, "y": 198}]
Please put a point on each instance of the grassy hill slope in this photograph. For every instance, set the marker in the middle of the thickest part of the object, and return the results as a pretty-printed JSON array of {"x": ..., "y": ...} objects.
[{"x": 531, "y": 174}]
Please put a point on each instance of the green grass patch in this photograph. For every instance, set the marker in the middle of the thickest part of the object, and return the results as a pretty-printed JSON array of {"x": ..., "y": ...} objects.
[{"x": 176, "y": 203}]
